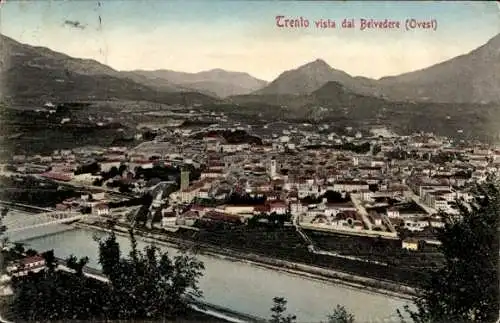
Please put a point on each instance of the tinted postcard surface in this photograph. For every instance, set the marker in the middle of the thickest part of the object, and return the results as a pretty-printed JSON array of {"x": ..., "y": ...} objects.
[{"x": 249, "y": 161}]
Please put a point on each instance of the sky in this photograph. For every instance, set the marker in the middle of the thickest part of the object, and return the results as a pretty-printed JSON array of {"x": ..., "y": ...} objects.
[{"x": 239, "y": 35}]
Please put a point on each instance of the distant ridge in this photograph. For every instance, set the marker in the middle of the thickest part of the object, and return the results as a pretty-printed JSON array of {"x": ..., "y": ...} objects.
[
  {"x": 469, "y": 78},
  {"x": 218, "y": 81},
  {"x": 31, "y": 72}
]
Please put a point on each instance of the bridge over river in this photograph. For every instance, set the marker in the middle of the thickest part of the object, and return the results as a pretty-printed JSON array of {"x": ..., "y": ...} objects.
[{"x": 26, "y": 221}]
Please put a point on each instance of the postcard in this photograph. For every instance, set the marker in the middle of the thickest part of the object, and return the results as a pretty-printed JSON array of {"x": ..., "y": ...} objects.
[{"x": 249, "y": 161}]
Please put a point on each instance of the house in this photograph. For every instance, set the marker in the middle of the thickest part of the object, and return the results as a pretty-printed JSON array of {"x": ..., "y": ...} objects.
[
  {"x": 278, "y": 207},
  {"x": 332, "y": 209},
  {"x": 212, "y": 173},
  {"x": 260, "y": 209},
  {"x": 416, "y": 224},
  {"x": 99, "y": 196},
  {"x": 297, "y": 208},
  {"x": 410, "y": 244},
  {"x": 101, "y": 209},
  {"x": 168, "y": 220},
  {"x": 239, "y": 209},
  {"x": 188, "y": 218},
  {"x": 85, "y": 178},
  {"x": 350, "y": 186},
  {"x": 58, "y": 176},
  {"x": 376, "y": 219},
  {"x": 392, "y": 212},
  {"x": 62, "y": 207},
  {"x": 26, "y": 265}
]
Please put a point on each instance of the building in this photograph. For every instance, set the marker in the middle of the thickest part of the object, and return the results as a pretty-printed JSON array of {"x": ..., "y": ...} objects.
[
  {"x": 392, "y": 212},
  {"x": 99, "y": 196},
  {"x": 273, "y": 169},
  {"x": 25, "y": 265},
  {"x": 410, "y": 244},
  {"x": 169, "y": 221},
  {"x": 184, "y": 179},
  {"x": 101, "y": 209},
  {"x": 239, "y": 209},
  {"x": 278, "y": 207},
  {"x": 350, "y": 186},
  {"x": 58, "y": 176}
]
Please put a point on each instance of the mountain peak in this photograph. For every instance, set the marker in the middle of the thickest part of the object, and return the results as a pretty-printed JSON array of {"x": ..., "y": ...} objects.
[
  {"x": 317, "y": 64},
  {"x": 306, "y": 79}
]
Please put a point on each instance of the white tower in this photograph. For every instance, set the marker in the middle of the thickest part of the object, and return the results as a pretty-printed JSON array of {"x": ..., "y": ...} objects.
[{"x": 273, "y": 169}]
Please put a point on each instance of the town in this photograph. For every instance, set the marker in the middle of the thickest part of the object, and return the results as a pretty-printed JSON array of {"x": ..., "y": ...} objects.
[{"x": 366, "y": 187}]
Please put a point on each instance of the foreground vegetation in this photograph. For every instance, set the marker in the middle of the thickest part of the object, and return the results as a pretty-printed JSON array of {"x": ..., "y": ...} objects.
[{"x": 145, "y": 284}]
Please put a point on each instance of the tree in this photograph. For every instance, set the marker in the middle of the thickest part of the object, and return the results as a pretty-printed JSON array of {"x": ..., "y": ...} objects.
[
  {"x": 50, "y": 259},
  {"x": 3, "y": 240},
  {"x": 278, "y": 312},
  {"x": 97, "y": 182},
  {"x": 91, "y": 168},
  {"x": 340, "y": 315},
  {"x": 4, "y": 213},
  {"x": 334, "y": 197},
  {"x": 124, "y": 188},
  {"x": 77, "y": 264},
  {"x": 109, "y": 254},
  {"x": 31, "y": 252},
  {"x": 149, "y": 284},
  {"x": 113, "y": 172},
  {"x": 122, "y": 168},
  {"x": 18, "y": 248},
  {"x": 145, "y": 285},
  {"x": 466, "y": 288}
]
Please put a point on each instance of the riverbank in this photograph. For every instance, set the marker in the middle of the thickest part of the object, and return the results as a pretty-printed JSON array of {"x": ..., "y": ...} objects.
[{"x": 292, "y": 268}]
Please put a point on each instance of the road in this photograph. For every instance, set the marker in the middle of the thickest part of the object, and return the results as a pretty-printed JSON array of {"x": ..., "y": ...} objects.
[
  {"x": 32, "y": 207},
  {"x": 361, "y": 211},
  {"x": 312, "y": 248}
]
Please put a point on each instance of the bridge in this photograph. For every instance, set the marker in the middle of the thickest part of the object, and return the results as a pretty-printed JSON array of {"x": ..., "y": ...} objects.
[{"x": 36, "y": 220}]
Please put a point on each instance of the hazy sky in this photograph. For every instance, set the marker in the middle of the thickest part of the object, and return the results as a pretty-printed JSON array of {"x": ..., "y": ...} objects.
[{"x": 237, "y": 35}]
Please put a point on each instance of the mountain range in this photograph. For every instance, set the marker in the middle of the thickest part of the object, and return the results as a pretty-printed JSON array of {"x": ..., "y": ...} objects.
[
  {"x": 472, "y": 77},
  {"x": 217, "y": 82},
  {"x": 38, "y": 73}
]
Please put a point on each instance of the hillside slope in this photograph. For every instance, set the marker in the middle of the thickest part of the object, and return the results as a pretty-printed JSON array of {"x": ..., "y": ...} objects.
[{"x": 39, "y": 74}]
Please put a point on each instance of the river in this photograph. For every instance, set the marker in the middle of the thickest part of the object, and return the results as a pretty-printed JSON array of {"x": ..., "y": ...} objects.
[{"x": 239, "y": 286}]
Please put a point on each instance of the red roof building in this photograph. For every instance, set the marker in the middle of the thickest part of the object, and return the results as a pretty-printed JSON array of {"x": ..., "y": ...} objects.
[{"x": 65, "y": 177}]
